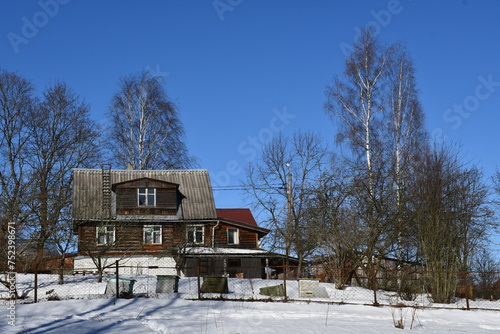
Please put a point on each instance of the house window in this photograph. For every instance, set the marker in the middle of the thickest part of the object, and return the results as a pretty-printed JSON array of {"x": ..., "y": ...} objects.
[
  {"x": 105, "y": 235},
  {"x": 195, "y": 234},
  {"x": 152, "y": 235},
  {"x": 146, "y": 196},
  {"x": 233, "y": 236}
]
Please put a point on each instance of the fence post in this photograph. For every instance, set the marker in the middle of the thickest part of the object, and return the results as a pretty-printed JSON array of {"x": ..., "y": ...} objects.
[
  {"x": 467, "y": 297},
  {"x": 198, "y": 274},
  {"x": 374, "y": 285},
  {"x": 284, "y": 279},
  {"x": 468, "y": 291},
  {"x": 36, "y": 284},
  {"x": 117, "y": 282}
]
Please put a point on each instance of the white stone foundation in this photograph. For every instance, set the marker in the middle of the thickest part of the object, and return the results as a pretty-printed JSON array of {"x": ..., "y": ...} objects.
[{"x": 132, "y": 265}]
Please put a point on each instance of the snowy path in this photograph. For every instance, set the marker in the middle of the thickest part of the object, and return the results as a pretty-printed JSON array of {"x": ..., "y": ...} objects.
[{"x": 144, "y": 315}]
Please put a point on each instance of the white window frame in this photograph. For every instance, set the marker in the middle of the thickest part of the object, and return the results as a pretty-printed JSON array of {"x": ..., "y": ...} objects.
[
  {"x": 106, "y": 231},
  {"x": 151, "y": 230},
  {"x": 146, "y": 192},
  {"x": 192, "y": 230},
  {"x": 236, "y": 236}
]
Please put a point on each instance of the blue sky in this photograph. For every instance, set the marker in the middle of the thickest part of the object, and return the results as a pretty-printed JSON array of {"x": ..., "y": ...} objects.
[{"x": 241, "y": 71}]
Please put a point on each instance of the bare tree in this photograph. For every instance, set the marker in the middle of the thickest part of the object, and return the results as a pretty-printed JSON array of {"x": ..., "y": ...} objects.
[
  {"x": 99, "y": 253},
  {"x": 145, "y": 131},
  {"x": 41, "y": 141},
  {"x": 336, "y": 230},
  {"x": 179, "y": 251},
  {"x": 406, "y": 142},
  {"x": 496, "y": 187},
  {"x": 64, "y": 240},
  {"x": 62, "y": 137},
  {"x": 452, "y": 217},
  {"x": 285, "y": 207},
  {"x": 487, "y": 273},
  {"x": 16, "y": 103},
  {"x": 402, "y": 195},
  {"x": 357, "y": 102}
]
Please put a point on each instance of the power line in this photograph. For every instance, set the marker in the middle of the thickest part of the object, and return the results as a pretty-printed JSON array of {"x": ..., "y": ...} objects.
[{"x": 260, "y": 187}]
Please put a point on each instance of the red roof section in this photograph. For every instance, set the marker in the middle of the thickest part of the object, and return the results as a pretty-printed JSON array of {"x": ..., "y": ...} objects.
[{"x": 239, "y": 215}]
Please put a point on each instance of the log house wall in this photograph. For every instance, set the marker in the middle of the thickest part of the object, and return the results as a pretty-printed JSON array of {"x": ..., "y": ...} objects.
[{"x": 129, "y": 237}]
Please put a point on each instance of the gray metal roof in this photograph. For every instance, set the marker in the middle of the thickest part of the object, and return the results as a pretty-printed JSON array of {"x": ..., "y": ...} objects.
[{"x": 194, "y": 185}]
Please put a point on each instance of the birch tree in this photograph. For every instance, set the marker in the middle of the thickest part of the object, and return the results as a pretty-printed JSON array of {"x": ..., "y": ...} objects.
[
  {"x": 403, "y": 195},
  {"x": 145, "y": 131},
  {"x": 357, "y": 102},
  {"x": 406, "y": 136}
]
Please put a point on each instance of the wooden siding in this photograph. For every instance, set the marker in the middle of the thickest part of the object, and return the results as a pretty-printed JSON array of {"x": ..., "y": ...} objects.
[
  {"x": 247, "y": 239},
  {"x": 126, "y": 198},
  {"x": 167, "y": 198},
  {"x": 129, "y": 238}
]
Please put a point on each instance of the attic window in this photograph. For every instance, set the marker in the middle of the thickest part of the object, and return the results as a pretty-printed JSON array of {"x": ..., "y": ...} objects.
[{"x": 146, "y": 196}]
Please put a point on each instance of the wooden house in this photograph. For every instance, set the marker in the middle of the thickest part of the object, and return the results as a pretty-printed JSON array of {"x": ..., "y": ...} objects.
[{"x": 162, "y": 222}]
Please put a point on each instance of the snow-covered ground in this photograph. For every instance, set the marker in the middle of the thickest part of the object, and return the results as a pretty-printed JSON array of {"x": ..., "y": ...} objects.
[
  {"x": 86, "y": 287},
  {"x": 84, "y": 309},
  {"x": 146, "y": 315}
]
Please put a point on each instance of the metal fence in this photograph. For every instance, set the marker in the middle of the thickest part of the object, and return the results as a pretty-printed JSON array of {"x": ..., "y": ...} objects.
[{"x": 387, "y": 287}]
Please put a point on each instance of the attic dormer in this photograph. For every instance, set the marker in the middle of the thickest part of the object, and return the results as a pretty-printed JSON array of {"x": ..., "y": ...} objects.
[{"x": 147, "y": 197}]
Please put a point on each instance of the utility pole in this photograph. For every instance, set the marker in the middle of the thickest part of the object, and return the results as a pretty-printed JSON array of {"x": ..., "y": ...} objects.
[
  {"x": 289, "y": 215},
  {"x": 287, "y": 232}
]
